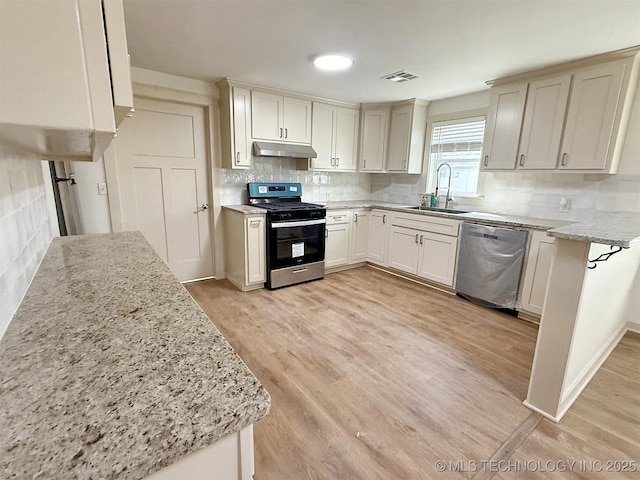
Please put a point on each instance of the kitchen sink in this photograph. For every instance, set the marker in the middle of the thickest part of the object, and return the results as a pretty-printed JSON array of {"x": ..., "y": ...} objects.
[{"x": 436, "y": 209}]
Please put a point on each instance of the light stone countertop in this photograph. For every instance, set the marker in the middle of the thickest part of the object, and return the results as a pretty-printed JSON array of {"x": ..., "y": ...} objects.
[
  {"x": 246, "y": 209},
  {"x": 109, "y": 369},
  {"x": 617, "y": 229}
]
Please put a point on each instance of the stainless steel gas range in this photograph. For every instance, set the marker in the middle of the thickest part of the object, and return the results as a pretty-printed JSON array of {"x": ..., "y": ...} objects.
[{"x": 295, "y": 233}]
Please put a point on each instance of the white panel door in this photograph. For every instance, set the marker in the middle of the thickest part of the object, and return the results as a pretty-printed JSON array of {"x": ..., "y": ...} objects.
[
  {"x": 242, "y": 127},
  {"x": 593, "y": 105},
  {"x": 297, "y": 120},
  {"x": 374, "y": 140},
  {"x": 437, "y": 257},
  {"x": 399, "y": 135},
  {"x": 266, "y": 116},
  {"x": 543, "y": 122},
  {"x": 502, "y": 132},
  {"x": 403, "y": 249},
  {"x": 161, "y": 161},
  {"x": 359, "y": 236},
  {"x": 346, "y": 145},
  {"x": 323, "y": 133},
  {"x": 377, "y": 243}
]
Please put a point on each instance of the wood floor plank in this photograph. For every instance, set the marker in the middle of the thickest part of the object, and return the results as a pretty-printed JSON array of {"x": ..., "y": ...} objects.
[{"x": 376, "y": 377}]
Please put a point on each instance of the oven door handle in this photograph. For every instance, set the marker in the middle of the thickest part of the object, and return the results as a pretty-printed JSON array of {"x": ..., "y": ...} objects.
[{"x": 301, "y": 223}]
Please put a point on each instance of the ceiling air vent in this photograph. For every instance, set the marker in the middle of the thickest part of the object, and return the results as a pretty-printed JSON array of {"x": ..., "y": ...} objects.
[{"x": 400, "y": 76}]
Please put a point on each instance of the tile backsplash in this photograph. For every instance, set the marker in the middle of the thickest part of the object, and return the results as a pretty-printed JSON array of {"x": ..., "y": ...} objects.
[
  {"x": 316, "y": 186},
  {"x": 25, "y": 229}
]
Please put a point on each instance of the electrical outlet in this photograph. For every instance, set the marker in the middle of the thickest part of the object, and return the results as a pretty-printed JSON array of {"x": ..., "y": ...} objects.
[
  {"x": 102, "y": 189},
  {"x": 565, "y": 204}
]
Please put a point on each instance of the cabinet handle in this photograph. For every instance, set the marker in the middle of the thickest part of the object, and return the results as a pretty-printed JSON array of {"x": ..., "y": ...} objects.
[
  {"x": 417, "y": 238},
  {"x": 333, "y": 162},
  {"x": 237, "y": 158},
  {"x": 286, "y": 132},
  {"x": 564, "y": 159},
  {"x": 337, "y": 162},
  {"x": 384, "y": 219},
  {"x": 364, "y": 163},
  {"x": 486, "y": 160},
  {"x": 522, "y": 160},
  {"x": 254, "y": 223},
  {"x": 280, "y": 132},
  {"x": 355, "y": 218},
  {"x": 421, "y": 237},
  {"x": 326, "y": 233}
]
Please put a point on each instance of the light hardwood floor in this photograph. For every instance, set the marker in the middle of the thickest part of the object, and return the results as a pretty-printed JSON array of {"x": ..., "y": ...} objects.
[{"x": 376, "y": 377}]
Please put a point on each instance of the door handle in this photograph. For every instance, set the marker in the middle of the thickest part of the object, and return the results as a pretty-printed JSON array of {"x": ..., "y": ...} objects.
[{"x": 202, "y": 208}]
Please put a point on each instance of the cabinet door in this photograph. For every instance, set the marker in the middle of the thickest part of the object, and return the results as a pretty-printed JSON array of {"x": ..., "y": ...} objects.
[
  {"x": 297, "y": 120},
  {"x": 346, "y": 145},
  {"x": 502, "y": 132},
  {"x": 255, "y": 250},
  {"x": 399, "y": 138},
  {"x": 241, "y": 127},
  {"x": 377, "y": 243},
  {"x": 543, "y": 122},
  {"x": 437, "y": 259},
  {"x": 589, "y": 133},
  {"x": 536, "y": 273},
  {"x": 266, "y": 116},
  {"x": 403, "y": 249},
  {"x": 374, "y": 140},
  {"x": 322, "y": 138},
  {"x": 359, "y": 236},
  {"x": 336, "y": 245}
]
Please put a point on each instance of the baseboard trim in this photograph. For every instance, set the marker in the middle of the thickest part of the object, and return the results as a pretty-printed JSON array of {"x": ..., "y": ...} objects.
[
  {"x": 212, "y": 277},
  {"x": 633, "y": 327},
  {"x": 341, "y": 268},
  {"x": 541, "y": 412},
  {"x": 413, "y": 278}
]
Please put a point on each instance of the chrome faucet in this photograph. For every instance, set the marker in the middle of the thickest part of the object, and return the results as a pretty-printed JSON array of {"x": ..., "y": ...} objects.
[{"x": 448, "y": 198}]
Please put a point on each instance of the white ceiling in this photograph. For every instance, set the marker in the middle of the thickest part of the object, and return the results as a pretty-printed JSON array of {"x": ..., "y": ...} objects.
[{"x": 454, "y": 45}]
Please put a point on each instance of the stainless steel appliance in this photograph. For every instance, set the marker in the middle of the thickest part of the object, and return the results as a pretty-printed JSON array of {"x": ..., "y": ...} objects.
[
  {"x": 490, "y": 263},
  {"x": 295, "y": 233}
]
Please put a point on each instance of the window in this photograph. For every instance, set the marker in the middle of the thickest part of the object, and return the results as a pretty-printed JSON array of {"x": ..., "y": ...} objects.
[{"x": 458, "y": 143}]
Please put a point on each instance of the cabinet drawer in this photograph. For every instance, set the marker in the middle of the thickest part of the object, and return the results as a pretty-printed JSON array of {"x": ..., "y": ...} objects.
[
  {"x": 427, "y": 223},
  {"x": 337, "y": 216}
]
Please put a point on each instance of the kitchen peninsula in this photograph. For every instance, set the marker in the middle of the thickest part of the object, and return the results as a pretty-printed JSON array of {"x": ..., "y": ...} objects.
[{"x": 110, "y": 369}]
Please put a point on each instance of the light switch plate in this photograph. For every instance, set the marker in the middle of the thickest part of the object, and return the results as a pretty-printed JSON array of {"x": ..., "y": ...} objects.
[{"x": 102, "y": 189}]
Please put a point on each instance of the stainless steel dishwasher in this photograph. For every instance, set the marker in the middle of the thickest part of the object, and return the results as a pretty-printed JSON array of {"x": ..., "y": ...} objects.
[{"x": 490, "y": 263}]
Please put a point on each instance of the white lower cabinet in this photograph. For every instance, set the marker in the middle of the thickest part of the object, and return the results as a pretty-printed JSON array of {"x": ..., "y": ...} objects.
[
  {"x": 378, "y": 232},
  {"x": 425, "y": 246},
  {"x": 336, "y": 252},
  {"x": 359, "y": 236},
  {"x": 536, "y": 272},
  {"x": 245, "y": 261}
]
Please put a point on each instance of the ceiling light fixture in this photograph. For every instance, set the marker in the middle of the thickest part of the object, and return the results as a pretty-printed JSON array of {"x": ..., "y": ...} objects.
[{"x": 332, "y": 62}]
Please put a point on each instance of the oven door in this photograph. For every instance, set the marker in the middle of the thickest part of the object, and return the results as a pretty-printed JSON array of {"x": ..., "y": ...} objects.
[{"x": 295, "y": 242}]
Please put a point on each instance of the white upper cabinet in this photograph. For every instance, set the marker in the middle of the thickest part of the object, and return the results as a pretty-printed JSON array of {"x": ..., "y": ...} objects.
[
  {"x": 593, "y": 120},
  {"x": 279, "y": 118},
  {"x": 502, "y": 131},
  {"x": 334, "y": 137},
  {"x": 373, "y": 139},
  {"x": 406, "y": 137},
  {"x": 543, "y": 121},
  {"x": 574, "y": 120},
  {"x": 235, "y": 125},
  {"x": 64, "y": 63}
]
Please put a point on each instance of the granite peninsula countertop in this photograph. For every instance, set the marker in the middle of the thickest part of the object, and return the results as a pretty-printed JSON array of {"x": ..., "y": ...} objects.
[
  {"x": 109, "y": 369},
  {"x": 620, "y": 229}
]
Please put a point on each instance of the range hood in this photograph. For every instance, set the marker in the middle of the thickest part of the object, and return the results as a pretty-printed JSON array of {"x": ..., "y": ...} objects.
[{"x": 269, "y": 149}]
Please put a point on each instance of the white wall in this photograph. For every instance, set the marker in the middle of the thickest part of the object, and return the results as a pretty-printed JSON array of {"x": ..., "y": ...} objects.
[
  {"x": 25, "y": 227},
  {"x": 93, "y": 208}
]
